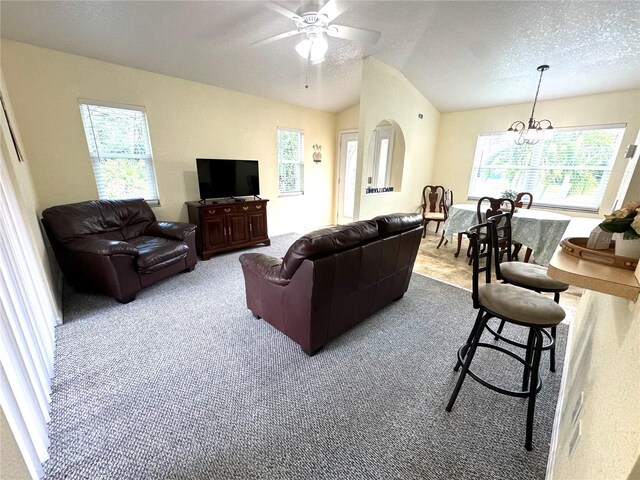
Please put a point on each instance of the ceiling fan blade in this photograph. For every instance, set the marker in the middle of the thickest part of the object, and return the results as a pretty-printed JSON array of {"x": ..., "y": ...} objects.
[
  {"x": 353, "y": 33},
  {"x": 277, "y": 37},
  {"x": 283, "y": 11},
  {"x": 332, "y": 10}
]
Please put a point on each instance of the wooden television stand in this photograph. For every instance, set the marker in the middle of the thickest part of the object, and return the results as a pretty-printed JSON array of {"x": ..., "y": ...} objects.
[{"x": 228, "y": 225}]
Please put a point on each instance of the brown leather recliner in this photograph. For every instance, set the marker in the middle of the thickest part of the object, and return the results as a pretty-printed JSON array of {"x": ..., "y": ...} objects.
[
  {"x": 333, "y": 278},
  {"x": 117, "y": 247}
]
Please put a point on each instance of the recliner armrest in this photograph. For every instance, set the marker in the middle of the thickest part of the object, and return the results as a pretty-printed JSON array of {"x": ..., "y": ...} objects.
[
  {"x": 100, "y": 246},
  {"x": 174, "y": 230},
  {"x": 264, "y": 266}
]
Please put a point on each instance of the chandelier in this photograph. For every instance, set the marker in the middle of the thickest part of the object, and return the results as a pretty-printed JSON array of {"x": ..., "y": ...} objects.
[{"x": 532, "y": 133}]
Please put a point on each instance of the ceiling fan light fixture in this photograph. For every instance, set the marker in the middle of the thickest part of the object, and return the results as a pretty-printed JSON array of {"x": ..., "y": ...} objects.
[{"x": 313, "y": 48}]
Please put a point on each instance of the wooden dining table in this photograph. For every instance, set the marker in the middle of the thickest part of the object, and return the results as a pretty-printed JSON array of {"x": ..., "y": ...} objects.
[{"x": 540, "y": 230}]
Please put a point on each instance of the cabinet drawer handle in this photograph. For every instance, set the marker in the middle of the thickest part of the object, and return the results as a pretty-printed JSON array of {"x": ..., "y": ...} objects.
[
  {"x": 245, "y": 208},
  {"x": 258, "y": 207},
  {"x": 227, "y": 210},
  {"x": 212, "y": 211}
]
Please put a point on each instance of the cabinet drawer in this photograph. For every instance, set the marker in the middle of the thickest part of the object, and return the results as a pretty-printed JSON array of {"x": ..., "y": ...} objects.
[
  {"x": 215, "y": 210},
  {"x": 252, "y": 207}
]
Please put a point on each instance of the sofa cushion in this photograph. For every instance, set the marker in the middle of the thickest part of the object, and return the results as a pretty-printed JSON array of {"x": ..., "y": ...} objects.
[
  {"x": 327, "y": 241},
  {"x": 397, "y": 222},
  {"x": 156, "y": 253}
]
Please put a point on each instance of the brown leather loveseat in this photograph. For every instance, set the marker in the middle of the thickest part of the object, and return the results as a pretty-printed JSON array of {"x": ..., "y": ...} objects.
[
  {"x": 333, "y": 278},
  {"x": 117, "y": 247}
]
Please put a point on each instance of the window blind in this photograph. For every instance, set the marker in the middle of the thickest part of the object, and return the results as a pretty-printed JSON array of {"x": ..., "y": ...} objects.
[
  {"x": 569, "y": 168},
  {"x": 120, "y": 150},
  {"x": 290, "y": 161}
]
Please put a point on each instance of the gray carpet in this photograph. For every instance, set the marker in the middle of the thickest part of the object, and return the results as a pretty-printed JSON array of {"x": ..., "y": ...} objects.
[{"x": 184, "y": 383}]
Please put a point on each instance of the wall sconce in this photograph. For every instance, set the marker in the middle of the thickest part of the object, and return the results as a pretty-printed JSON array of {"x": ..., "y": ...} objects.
[{"x": 317, "y": 156}]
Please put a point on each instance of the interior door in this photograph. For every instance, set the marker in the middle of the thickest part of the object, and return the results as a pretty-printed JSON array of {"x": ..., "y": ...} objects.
[{"x": 348, "y": 156}]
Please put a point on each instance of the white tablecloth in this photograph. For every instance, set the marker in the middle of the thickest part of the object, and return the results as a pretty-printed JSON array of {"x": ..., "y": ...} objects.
[{"x": 539, "y": 230}]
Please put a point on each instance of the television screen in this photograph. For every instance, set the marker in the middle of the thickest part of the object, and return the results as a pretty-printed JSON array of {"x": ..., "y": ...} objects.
[{"x": 227, "y": 178}]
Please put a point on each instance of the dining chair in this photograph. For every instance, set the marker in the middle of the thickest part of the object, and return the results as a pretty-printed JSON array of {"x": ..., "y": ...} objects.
[
  {"x": 519, "y": 307},
  {"x": 448, "y": 201},
  {"x": 523, "y": 200},
  {"x": 434, "y": 207},
  {"x": 489, "y": 207},
  {"x": 525, "y": 275}
]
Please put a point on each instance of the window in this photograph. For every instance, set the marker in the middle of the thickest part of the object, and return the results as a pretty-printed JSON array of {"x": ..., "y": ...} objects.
[
  {"x": 569, "y": 168},
  {"x": 290, "y": 161},
  {"x": 120, "y": 150},
  {"x": 382, "y": 141}
]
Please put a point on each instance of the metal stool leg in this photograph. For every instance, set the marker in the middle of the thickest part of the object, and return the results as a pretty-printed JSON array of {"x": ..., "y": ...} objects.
[
  {"x": 467, "y": 361},
  {"x": 527, "y": 360},
  {"x": 552, "y": 351},
  {"x": 499, "y": 331},
  {"x": 471, "y": 336},
  {"x": 537, "y": 353}
]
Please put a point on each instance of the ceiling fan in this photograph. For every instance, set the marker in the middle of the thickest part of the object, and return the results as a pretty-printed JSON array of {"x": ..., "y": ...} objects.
[{"x": 316, "y": 25}]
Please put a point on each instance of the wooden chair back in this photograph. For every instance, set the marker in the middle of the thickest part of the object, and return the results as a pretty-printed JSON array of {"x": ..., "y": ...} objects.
[
  {"x": 495, "y": 207},
  {"x": 433, "y": 198},
  {"x": 523, "y": 200}
]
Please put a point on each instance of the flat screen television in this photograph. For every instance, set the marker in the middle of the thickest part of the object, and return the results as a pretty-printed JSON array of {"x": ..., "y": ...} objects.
[{"x": 219, "y": 178}]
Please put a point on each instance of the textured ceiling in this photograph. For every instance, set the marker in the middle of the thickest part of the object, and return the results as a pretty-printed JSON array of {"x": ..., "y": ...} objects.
[{"x": 459, "y": 54}]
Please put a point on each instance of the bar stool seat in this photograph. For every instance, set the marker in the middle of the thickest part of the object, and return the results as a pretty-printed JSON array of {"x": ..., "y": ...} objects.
[
  {"x": 532, "y": 276},
  {"x": 521, "y": 306}
]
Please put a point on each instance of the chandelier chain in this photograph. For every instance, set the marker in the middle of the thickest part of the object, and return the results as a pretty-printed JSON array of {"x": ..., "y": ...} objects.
[{"x": 537, "y": 91}]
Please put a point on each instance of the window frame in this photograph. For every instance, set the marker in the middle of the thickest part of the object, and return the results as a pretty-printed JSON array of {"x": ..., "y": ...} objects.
[
  {"x": 152, "y": 178},
  {"x": 300, "y": 161},
  {"x": 478, "y": 154}
]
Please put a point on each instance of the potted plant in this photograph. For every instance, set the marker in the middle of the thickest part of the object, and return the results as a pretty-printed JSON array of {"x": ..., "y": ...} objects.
[
  {"x": 510, "y": 194},
  {"x": 625, "y": 226}
]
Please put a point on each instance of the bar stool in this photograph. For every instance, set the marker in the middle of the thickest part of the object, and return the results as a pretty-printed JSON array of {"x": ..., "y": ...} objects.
[
  {"x": 512, "y": 304},
  {"x": 525, "y": 275}
]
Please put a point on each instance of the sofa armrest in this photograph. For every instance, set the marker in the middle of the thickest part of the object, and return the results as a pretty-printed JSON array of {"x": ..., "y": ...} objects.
[
  {"x": 174, "y": 230},
  {"x": 100, "y": 246},
  {"x": 264, "y": 266}
]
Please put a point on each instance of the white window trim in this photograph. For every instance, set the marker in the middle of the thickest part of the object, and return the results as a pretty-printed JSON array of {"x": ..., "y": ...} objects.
[
  {"x": 154, "y": 202},
  {"x": 301, "y": 162},
  {"x": 558, "y": 129}
]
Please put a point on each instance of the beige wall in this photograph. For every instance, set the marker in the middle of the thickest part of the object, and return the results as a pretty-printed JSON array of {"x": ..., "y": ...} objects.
[
  {"x": 459, "y": 132},
  {"x": 348, "y": 119},
  {"x": 387, "y": 95},
  {"x": 601, "y": 375},
  {"x": 186, "y": 120}
]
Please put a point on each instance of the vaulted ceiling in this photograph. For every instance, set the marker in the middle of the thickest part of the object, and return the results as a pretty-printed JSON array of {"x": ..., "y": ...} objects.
[{"x": 459, "y": 54}]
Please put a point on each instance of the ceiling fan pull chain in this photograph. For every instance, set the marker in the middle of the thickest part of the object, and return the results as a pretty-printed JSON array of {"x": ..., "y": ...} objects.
[{"x": 306, "y": 71}]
